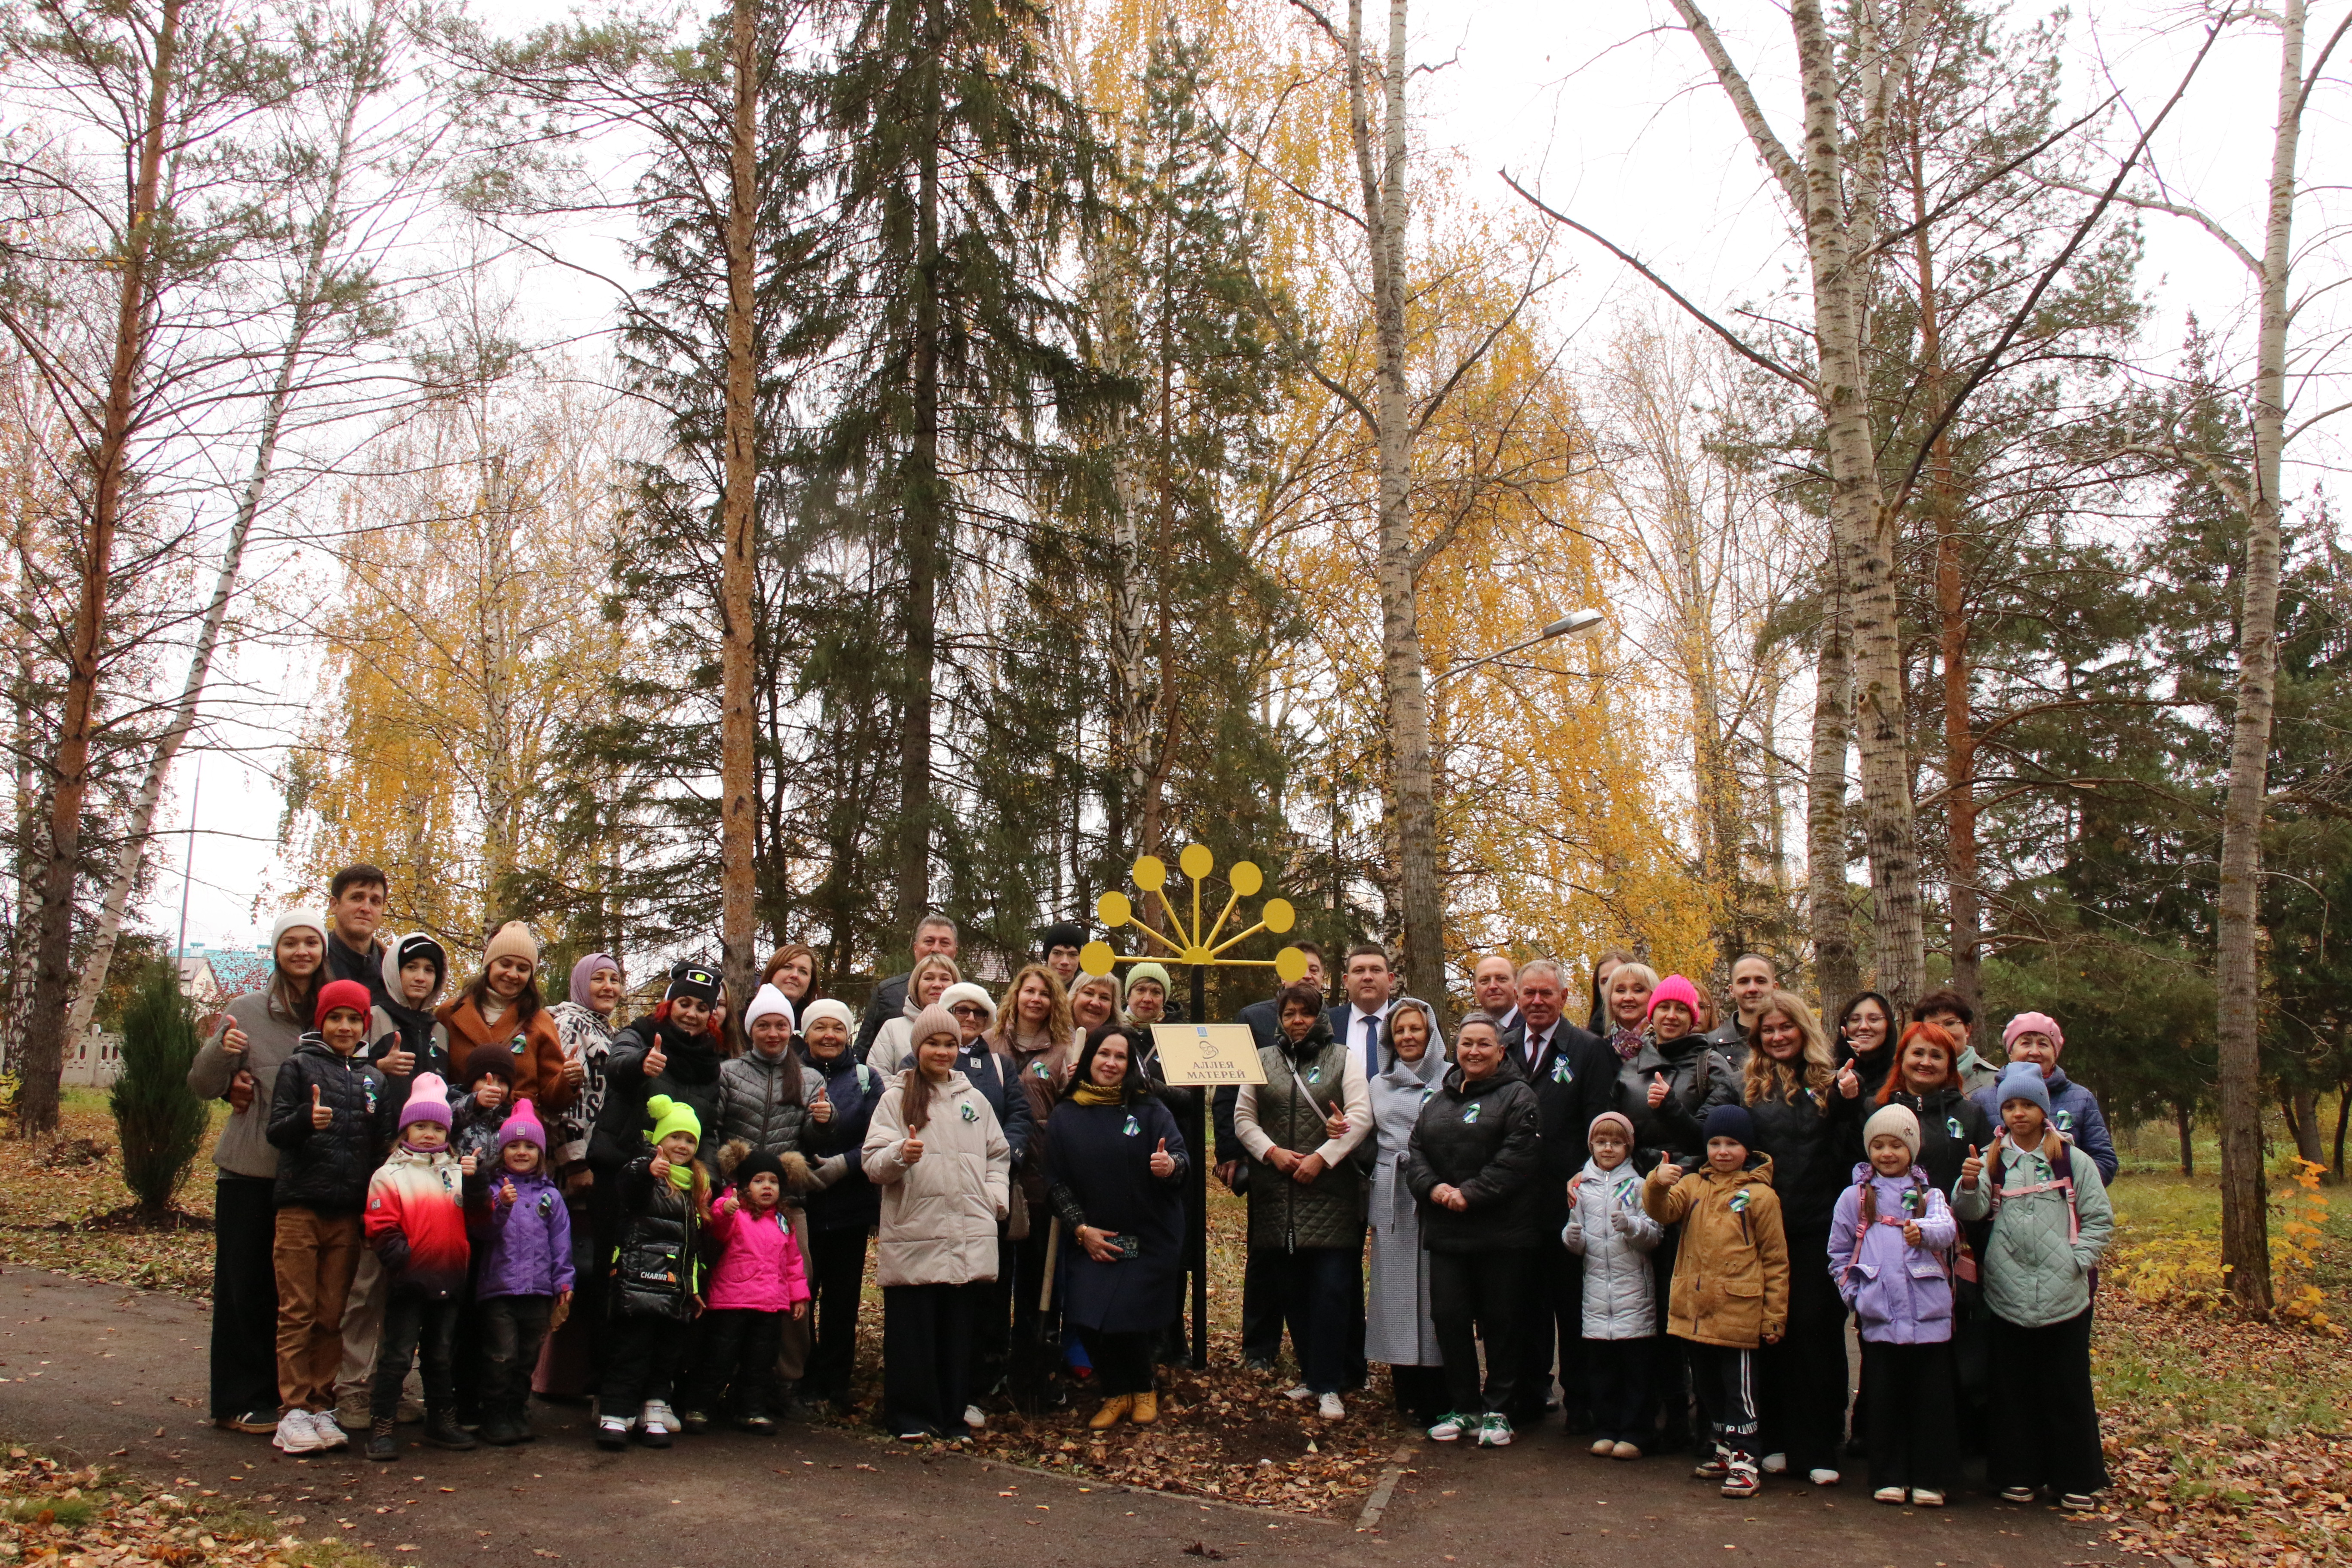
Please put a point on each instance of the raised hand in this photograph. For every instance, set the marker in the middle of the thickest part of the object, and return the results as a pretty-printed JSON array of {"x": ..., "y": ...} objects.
[
  {"x": 655, "y": 1060},
  {"x": 320, "y": 1117},
  {"x": 1336, "y": 1125},
  {"x": 1848, "y": 1083},
  {"x": 489, "y": 1094},
  {"x": 233, "y": 1040},
  {"x": 1658, "y": 1089},
  {"x": 910, "y": 1150},
  {"x": 575, "y": 1071},
  {"x": 1971, "y": 1168},
  {"x": 397, "y": 1062},
  {"x": 1163, "y": 1164},
  {"x": 1668, "y": 1172},
  {"x": 1911, "y": 1232},
  {"x": 729, "y": 1203},
  {"x": 467, "y": 1164},
  {"x": 506, "y": 1192},
  {"x": 820, "y": 1107},
  {"x": 660, "y": 1169}
]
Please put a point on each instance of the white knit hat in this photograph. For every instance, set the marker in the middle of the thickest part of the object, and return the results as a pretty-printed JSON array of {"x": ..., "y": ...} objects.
[
  {"x": 768, "y": 1000},
  {"x": 826, "y": 1007},
  {"x": 965, "y": 991},
  {"x": 296, "y": 920}
]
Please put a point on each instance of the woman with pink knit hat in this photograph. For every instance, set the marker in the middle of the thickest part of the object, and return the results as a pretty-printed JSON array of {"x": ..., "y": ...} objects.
[
  {"x": 1673, "y": 1079},
  {"x": 2074, "y": 1110},
  {"x": 501, "y": 1006}
]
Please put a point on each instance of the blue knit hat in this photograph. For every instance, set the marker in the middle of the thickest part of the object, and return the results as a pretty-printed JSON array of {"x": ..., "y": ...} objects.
[
  {"x": 2023, "y": 1080},
  {"x": 1731, "y": 1121}
]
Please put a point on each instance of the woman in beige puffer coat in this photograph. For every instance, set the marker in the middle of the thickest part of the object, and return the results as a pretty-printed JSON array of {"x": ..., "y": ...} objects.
[{"x": 945, "y": 1170}]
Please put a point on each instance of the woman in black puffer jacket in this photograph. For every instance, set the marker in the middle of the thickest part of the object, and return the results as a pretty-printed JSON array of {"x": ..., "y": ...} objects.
[
  {"x": 1804, "y": 1109},
  {"x": 1475, "y": 1157},
  {"x": 675, "y": 1051}
]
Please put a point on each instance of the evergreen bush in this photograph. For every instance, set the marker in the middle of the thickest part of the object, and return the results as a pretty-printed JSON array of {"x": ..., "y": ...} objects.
[{"x": 158, "y": 1118}]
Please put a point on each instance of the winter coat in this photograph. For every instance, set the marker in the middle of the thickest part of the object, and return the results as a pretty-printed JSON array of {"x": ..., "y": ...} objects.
[
  {"x": 363, "y": 964},
  {"x": 893, "y": 1046},
  {"x": 1976, "y": 1073},
  {"x": 939, "y": 1215},
  {"x": 2073, "y": 1111},
  {"x": 586, "y": 1038},
  {"x": 757, "y": 1107},
  {"x": 1043, "y": 1070},
  {"x": 1949, "y": 1123},
  {"x": 1731, "y": 1263},
  {"x": 395, "y": 1025},
  {"x": 1698, "y": 1080},
  {"x": 1608, "y": 1227},
  {"x": 1900, "y": 1294},
  {"x": 1575, "y": 1081},
  {"x": 474, "y": 1129},
  {"x": 527, "y": 1244},
  {"x": 1098, "y": 1160},
  {"x": 848, "y": 1201},
  {"x": 1329, "y": 1212},
  {"x": 536, "y": 1050},
  {"x": 416, "y": 1222},
  {"x": 760, "y": 1269},
  {"x": 689, "y": 1076},
  {"x": 2036, "y": 1265},
  {"x": 326, "y": 1169},
  {"x": 244, "y": 1148},
  {"x": 1730, "y": 1042},
  {"x": 1808, "y": 1139},
  {"x": 992, "y": 1073},
  {"x": 1872, "y": 1069},
  {"x": 654, "y": 1274},
  {"x": 1482, "y": 1138},
  {"x": 1398, "y": 1329}
]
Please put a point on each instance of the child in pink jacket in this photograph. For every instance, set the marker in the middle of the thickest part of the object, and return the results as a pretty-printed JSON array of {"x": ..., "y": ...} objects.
[{"x": 759, "y": 1279}]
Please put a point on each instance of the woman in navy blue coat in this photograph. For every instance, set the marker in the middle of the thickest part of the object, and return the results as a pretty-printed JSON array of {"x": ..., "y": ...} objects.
[{"x": 1114, "y": 1166}]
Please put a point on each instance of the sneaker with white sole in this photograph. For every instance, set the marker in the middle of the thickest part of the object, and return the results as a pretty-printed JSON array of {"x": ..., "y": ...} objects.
[
  {"x": 1925, "y": 1499},
  {"x": 330, "y": 1431},
  {"x": 1715, "y": 1467},
  {"x": 1450, "y": 1427},
  {"x": 1494, "y": 1431},
  {"x": 1823, "y": 1477},
  {"x": 1301, "y": 1394},
  {"x": 1776, "y": 1464},
  {"x": 1740, "y": 1480},
  {"x": 1329, "y": 1408},
  {"x": 975, "y": 1418},
  {"x": 1888, "y": 1494},
  {"x": 612, "y": 1432},
  {"x": 295, "y": 1433},
  {"x": 658, "y": 1414}
]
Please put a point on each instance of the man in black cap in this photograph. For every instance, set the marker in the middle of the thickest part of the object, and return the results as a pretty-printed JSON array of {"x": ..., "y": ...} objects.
[{"x": 1060, "y": 945}]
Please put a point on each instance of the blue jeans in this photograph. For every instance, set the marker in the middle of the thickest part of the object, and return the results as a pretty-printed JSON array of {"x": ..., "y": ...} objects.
[{"x": 1316, "y": 1288}]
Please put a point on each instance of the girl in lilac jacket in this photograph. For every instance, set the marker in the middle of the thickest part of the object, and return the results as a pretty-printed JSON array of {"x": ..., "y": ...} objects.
[
  {"x": 759, "y": 1280},
  {"x": 526, "y": 1275},
  {"x": 1891, "y": 1255}
]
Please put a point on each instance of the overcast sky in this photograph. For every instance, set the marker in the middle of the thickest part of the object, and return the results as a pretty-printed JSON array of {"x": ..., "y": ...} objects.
[{"x": 1608, "y": 114}]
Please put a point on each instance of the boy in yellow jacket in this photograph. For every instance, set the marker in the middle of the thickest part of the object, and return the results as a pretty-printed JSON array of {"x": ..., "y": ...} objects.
[{"x": 1731, "y": 1283}]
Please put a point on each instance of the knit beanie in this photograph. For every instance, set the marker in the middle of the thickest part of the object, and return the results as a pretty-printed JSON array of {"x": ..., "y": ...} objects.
[
  {"x": 296, "y": 920},
  {"x": 826, "y": 1007},
  {"x": 692, "y": 979},
  {"x": 522, "y": 1127},
  {"x": 2022, "y": 1080},
  {"x": 1730, "y": 1122},
  {"x": 758, "y": 1163},
  {"x": 673, "y": 1116},
  {"x": 489, "y": 1061},
  {"x": 1148, "y": 971},
  {"x": 428, "y": 1101},
  {"x": 1064, "y": 933},
  {"x": 965, "y": 991},
  {"x": 583, "y": 972},
  {"x": 934, "y": 1019},
  {"x": 512, "y": 940},
  {"x": 416, "y": 946},
  {"x": 1624, "y": 1126},
  {"x": 1674, "y": 988},
  {"x": 2034, "y": 1023},
  {"x": 768, "y": 1000},
  {"x": 337, "y": 994},
  {"x": 1897, "y": 1120}
]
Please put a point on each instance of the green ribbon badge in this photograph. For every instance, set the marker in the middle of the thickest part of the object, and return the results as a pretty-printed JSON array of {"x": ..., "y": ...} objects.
[
  {"x": 1470, "y": 1112},
  {"x": 969, "y": 1114},
  {"x": 1952, "y": 1125},
  {"x": 1740, "y": 1201}
]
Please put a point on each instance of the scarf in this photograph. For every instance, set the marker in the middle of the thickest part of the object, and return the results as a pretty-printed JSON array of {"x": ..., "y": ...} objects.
[
  {"x": 1626, "y": 1043},
  {"x": 585, "y": 971},
  {"x": 1094, "y": 1094}
]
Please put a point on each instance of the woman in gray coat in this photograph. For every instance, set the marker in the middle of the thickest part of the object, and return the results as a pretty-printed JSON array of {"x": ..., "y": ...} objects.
[{"x": 1398, "y": 1331}]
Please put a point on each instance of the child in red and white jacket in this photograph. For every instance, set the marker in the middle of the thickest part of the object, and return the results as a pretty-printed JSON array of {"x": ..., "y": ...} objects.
[
  {"x": 760, "y": 1278},
  {"x": 416, "y": 1223}
]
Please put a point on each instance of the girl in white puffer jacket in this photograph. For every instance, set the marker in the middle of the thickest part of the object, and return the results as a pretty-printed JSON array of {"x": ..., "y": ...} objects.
[{"x": 1608, "y": 1227}]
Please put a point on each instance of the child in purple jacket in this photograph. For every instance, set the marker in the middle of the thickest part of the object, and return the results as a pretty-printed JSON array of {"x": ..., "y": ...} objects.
[
  {"x": 526, "y": 1273},
  {"x": 1890, "y": 1252},
  {"x": 759, "y": 1280}
]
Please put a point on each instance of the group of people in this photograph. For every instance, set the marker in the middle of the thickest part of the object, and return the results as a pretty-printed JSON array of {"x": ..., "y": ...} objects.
[{"x": 1658, "y": 1228}]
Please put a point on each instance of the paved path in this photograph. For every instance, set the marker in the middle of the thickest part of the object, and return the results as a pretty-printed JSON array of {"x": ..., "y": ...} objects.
[{"x": 95, "y": 1369}]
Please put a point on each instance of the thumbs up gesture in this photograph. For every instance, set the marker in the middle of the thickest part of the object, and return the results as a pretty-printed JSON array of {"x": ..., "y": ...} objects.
[
  {"x": 466, "y": 1164},
  {"x": 1658, "y": 1089},
  {"x": 1667, "y": 1173},
  {"x": 655, "y": 1060},
  {"x": 320, "y": 1117},
  {"x": 1163, "y": 1164},
  {"x": 820, "y": 1107},
  {"x": 910, "y": 1150},
  {"x": 506, "y": 1191},
  {"x": 1848, "y": 1084},
  {"x": 1971, "y": 1168}
]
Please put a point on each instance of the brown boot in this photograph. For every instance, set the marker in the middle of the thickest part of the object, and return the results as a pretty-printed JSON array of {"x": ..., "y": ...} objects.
[
  {"x": 1146, "y": 1409},
  {"x": 1112, "y": 1409}
]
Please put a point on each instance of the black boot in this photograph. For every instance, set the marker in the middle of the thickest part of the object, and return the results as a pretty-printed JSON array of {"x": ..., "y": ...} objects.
[
  {"x": 442, "y": 1431},
  {"x": 382, "y": 1444}
]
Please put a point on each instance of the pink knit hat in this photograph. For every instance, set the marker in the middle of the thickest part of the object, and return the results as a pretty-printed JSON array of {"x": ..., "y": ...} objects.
[
  {"x": 1623, "y": 1125},
  {"x": 1674, "y": 988},
  {"x": 521, "y": 1126},
  {"x": 428, "y": 1101},
  {"x": 2034, "y": 1023}
]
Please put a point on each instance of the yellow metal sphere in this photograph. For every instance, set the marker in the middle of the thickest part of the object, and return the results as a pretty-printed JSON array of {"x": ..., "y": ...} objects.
[
  {"x": 1096, "y": 958},
  {"x": 1197, "y": 861},
  {"x": 1114, "y": 910},
  {"x": 1150, "y": 873},
  {"x": 1280, "y": 917},
  {"x": 1246, "y": 879},
  {"x": 1290, "y": 965}
]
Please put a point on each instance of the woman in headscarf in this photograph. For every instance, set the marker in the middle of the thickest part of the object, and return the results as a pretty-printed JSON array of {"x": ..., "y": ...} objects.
[
  {"x": 583, "y": 1023},
  {"x": 1399, "y": 1330}
]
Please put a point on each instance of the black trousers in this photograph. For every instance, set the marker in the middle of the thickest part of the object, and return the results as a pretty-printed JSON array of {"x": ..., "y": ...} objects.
[
  {"x": 1913, "y": 1439},
  {"x": 1261, "y": 1308},
  {"x": 642, "y": 1356},
  {"x": 513, "y": 1328},
  {"x": 737, "y": 1363},
  {"x": 1553, "y": 1335},
  {"x": 1618, "y": 1377},
  {"x": 1724, "y": 1377},
  {"x": 1312, "y": 1292},
  {"x": 414, "y": 1329},
  {"x": 1474, "y": 1295},
  {"x": 1420, "y": 1393},
  {"x": 991, "y": 1333},
  {"x": 1035, "y": 1332},
  {"x": 245, "y": 1296},
  {"x": 1122, "y": 1363},
  {"x": 1802, "y": 1381},
  {"x": 837, "y": 1265},
  {"x": 2046, "y": 1371},
  {"x": 927, "y": 1334}
]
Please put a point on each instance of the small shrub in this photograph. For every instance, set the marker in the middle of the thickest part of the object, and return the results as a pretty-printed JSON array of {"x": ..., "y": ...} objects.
[{"x": 157, "y": 1117}]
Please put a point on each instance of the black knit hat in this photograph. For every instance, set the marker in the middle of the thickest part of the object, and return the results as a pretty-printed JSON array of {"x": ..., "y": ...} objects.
[
  {"x": 692, "y": 979},
  {"x": 489, "y": 1061},
  {"x": 758, "y": 1162},
  {"x": 416, "y": 946},
  {"x": 1067, "y": 933}
]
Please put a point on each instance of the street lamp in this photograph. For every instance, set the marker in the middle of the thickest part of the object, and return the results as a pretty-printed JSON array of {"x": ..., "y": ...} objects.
[{"x": 1578, "y": 623}]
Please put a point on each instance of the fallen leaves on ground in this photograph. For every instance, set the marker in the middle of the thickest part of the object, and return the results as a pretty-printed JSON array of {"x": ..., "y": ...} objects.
[
  {"x": 63, "y": 1207},
  {"x": 55, "y": 1513}
]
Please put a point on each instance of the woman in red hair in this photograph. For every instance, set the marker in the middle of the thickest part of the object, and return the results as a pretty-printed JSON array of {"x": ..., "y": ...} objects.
[{"x": 1927, "y": 1082}]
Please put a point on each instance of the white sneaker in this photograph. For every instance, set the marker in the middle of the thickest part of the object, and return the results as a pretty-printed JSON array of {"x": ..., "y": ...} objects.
[
  {"x": 1302, "y": 1393},
  {"x": 657, "y": 1412},
  {"x": 1329, "y": 1409},
  {"x": 329, "y": 1432},
  {"x": 1823, "y": 1477},
  {"x": 1776, "y": 1464},
  {"x": 975, "y": 1417},
  {"x": 295, "y": 1433}
]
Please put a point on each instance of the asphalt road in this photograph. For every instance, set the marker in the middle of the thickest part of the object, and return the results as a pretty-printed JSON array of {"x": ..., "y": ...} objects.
[{"x": 91, "y": 1370}]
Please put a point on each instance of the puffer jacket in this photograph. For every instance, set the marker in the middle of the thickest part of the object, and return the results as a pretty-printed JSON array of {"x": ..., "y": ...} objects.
[
  {"x": 655, "y": 1273},
  {"x": 1731, "y": 1264},
  {"x": 474, "y": 1129},
  {"x": 848, "y": 1201},
  {"x": 326, "y": 1169},
  {"x": 1285, "y": 1215},
  {"x": 1608, "y": 1227},
  {"x": 2037, "y": 1260},
  {"x": 939, "y": 1215},
  {"x": 755, "y": 1105},
  {"x": 1950, "y": 1124},
  {"x": 2073, "y": 1111},
  {"x": 994, "y": 1074},
  {"x": 1900, "y": 1294},
  {"x": 535, "y": 1048},
  {"x": 1807, "y": 1138},
  {"x": 894, "y": 1042},
  {"x": 1698, "y": 1080},
  {"x": 528, "y": 1243},
  {"x": 760, "y": 1269},
  {"x": 1483, "y": 1139},
  {"x": 689, "y": 1076},
  {"x": 416, "y": 1222},
  {"x": 394, "y": 1025},
  {"x": 244, "y": 1148}
]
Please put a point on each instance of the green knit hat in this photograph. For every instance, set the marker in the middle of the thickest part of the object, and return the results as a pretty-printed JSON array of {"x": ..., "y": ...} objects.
[
  {"x": 672, "y": 1116},
  {"x": 1148, "y": 971}
]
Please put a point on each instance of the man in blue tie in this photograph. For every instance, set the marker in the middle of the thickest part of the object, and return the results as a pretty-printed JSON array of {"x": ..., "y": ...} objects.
[{"x": 1366, "y": 978}]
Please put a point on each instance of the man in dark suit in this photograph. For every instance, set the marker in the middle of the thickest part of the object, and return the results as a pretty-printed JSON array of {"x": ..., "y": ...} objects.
[
  {"x": 1355, "y": 1022},
  {"x": 1261, "y": 1323},
  {"x": 1574, "y": 1074},
  {"x": 933, "y": 933}
]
